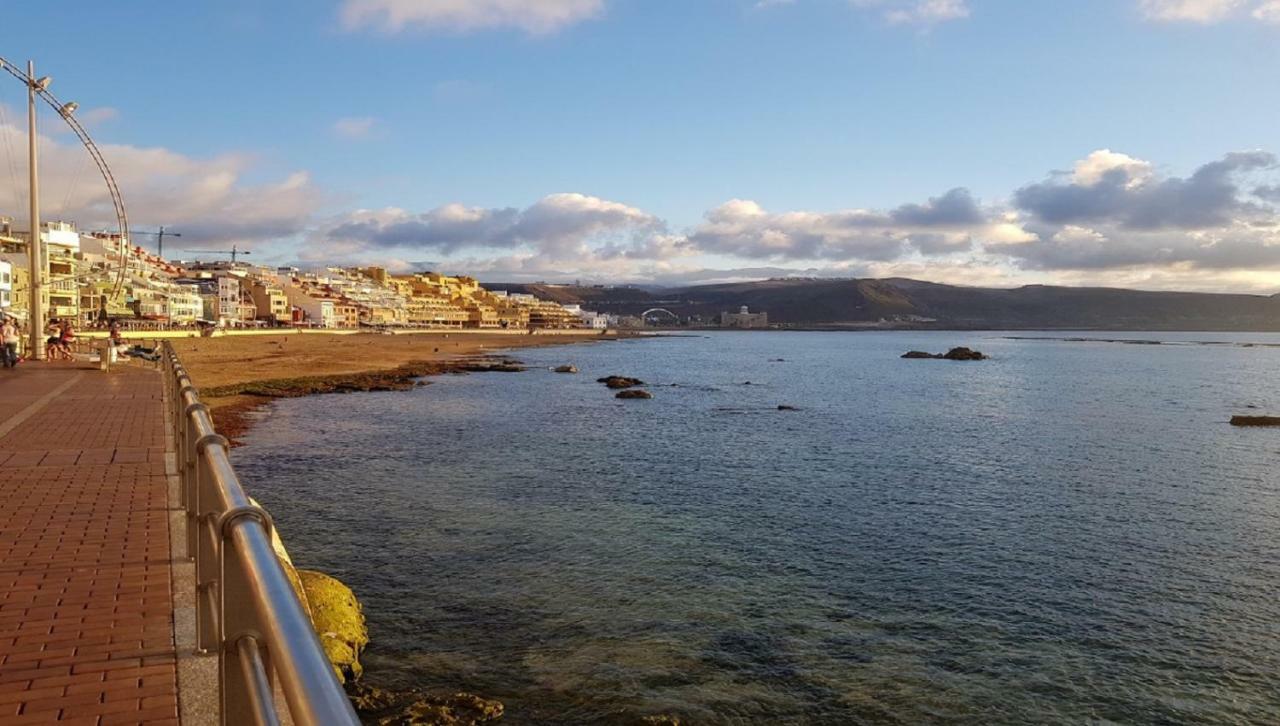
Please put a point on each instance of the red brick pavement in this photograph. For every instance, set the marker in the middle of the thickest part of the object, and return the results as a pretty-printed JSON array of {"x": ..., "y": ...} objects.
[{"x": 86, "y": 604}]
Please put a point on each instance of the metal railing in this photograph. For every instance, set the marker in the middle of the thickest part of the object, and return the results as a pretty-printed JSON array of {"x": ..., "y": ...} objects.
[{"x": 247, "y": 613}]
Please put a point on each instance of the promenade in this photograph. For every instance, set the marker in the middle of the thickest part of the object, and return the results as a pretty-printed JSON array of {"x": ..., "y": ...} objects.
[{"x": 86, "y": 572}]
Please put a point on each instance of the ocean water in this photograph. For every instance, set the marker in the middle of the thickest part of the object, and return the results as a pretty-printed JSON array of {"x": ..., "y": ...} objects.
[{"x": 1068, "y": 532}]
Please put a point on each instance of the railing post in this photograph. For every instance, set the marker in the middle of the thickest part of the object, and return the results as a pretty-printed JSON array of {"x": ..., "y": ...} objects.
[
  {"x": 210, "y": 623},
  {"x": 245, "y": 665}
]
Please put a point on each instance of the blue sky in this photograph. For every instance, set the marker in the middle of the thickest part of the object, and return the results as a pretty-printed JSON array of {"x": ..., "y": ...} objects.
[{"x": 607, "y": 139}]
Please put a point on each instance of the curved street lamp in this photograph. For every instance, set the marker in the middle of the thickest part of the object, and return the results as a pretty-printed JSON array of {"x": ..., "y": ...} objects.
[{"x": 39, "y": 87}]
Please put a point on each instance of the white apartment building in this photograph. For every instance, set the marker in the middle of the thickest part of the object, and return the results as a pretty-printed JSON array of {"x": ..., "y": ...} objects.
[{"x": 6, "y": 285}]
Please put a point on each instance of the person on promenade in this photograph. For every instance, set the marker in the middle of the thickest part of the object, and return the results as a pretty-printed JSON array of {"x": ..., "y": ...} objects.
[
  {"x": 67, "y": 336},
  {"x": 53, "y": 344},
  {"x": 9, "y": 342}
]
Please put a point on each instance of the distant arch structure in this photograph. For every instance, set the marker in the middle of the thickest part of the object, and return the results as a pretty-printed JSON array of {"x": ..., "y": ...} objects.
[
  {"x": 655, "y": 311},
  {"x": 66, "y": 111}
]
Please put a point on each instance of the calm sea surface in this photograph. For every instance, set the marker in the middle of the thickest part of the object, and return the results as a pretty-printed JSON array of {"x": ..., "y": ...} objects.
[{"x": 1069, "y": 532}]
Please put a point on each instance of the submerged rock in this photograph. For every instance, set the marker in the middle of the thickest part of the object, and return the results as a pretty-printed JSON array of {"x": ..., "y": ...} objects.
[
  {"x": 634, "y": 393},
  {"x": 338, "y": 620},
  {"x": 414, "y": 708},
  {"x": 1255, "y": 420},
  {"x": 785, "y": 407},
  {"x": 566, "y": 369},
  {"x": 620, "y": 382},
  {"x": 953, "y": 354}
]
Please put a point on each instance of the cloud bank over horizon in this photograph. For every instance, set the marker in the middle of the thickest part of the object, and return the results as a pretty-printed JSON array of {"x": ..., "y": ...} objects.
[{"x": 1110, "y": 218}]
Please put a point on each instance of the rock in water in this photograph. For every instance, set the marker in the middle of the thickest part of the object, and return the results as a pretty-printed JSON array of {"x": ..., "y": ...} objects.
[
  {"x": 338, "y": 620},
  {"x": 414, "y": 708},
  {"x": 634, "y": 393},
  {"x": 785, "y": 407},
  {"x": 567, "y": 369},
  {"x": 964, "y": 354},
  {"x": 620, "y": 382},
  {"x": 953, "y": 354},
  {"x": 1255, "y": 420}
]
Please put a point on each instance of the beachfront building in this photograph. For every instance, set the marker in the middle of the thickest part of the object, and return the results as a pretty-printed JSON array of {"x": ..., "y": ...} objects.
[
  {"x": 594, "y": 321},
  {"x": 270, "y": 302},
  {"x": 6, "y": 285},
  {"x": 744, "y": 319},
  {"x": 183, "y": 305}
]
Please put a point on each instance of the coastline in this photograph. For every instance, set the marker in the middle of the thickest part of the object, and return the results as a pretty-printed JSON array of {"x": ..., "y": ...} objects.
[{"x": 238, "y": 375}]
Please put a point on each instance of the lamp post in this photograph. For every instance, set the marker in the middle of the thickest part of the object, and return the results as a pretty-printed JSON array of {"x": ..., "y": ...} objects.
[{"x": 34, "y": 257}]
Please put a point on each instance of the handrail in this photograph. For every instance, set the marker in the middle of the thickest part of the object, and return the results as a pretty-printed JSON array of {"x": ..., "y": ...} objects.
[{"x": 246, "y": 610}]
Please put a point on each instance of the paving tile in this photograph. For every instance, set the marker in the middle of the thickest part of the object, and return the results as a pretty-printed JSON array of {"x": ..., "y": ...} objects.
[{"x": 86, "y": 603}]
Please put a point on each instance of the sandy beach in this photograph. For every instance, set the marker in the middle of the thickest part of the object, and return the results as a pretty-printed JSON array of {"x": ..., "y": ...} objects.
[{"x": 236, "y": 374}]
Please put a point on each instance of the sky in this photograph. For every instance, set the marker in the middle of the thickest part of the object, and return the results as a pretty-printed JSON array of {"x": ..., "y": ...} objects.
[{"x": 980, "y": 142}]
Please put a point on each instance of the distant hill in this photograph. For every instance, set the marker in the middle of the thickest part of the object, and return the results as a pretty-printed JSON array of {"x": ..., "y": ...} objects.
[{"x": 827, "y": 303}]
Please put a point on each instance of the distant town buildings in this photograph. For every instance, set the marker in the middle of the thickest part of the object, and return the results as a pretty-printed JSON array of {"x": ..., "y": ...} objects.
[
  {"x": 86, "y": 282},
  {"x": 744, "y": 319}
]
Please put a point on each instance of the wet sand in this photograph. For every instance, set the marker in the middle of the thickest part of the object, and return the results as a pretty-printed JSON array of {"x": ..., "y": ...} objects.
[{"x": 238, "y": 374}]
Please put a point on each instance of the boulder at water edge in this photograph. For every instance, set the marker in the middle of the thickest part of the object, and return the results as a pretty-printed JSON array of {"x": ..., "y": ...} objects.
[
  {"x": 338, "y": 620},
  {"x": 567, "y": 369},
  {"x": 620, "y": 382}
]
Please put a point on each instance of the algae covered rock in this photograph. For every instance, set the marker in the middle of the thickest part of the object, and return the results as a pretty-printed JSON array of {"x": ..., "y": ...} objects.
[
  {"x": 634, "y": 393},
  {"x": 338, "y": 620},
  {"x": 415, "y": 708}
]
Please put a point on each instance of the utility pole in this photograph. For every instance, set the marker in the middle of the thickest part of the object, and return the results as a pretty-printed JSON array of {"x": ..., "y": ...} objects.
[{"x": 34, "y": 257}]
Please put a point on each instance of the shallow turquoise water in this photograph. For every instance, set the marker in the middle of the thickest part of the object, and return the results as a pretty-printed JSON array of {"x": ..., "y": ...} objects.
[{"x": 1067, "y": 532}]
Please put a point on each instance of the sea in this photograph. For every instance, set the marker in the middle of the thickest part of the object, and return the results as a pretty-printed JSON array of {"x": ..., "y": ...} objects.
[{"x": 1068, "y": 532}]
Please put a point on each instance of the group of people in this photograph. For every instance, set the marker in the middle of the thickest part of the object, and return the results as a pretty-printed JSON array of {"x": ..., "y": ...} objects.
[{"x": 61, "y": 335}]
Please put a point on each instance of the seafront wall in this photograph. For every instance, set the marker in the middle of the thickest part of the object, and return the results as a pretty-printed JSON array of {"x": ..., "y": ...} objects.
[{"x": 179, "y": 334}]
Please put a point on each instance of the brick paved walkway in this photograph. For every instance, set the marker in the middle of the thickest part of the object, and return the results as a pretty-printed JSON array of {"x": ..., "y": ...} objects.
[{"x": 86, "y": 603}]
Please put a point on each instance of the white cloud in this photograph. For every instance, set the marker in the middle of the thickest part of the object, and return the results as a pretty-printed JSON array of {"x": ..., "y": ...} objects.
[
  {"x": 1193, "y": 11},
  {"x": 99, "y": 115},
  {"x": 536, "y": 17},
  {"x": 917, "y": 12},
  {"x": 1206, "y": 12},
  {"x": 1268, "y": 12},
  {"x": 207, "y": 200},
  {"x": 1091, "y": 169},
  {"x": 360, "y": 127}
]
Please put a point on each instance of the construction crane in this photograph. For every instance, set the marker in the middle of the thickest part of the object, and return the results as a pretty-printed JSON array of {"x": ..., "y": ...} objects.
[
  {"x": 159, "y": 239},
  {"x": 234, "y": 251}
]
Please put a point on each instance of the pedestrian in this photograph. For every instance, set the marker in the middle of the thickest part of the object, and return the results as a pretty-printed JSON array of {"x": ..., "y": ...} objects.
[
  {"x": 9, "y": 342},
  {"x": 55, "y": 347}
]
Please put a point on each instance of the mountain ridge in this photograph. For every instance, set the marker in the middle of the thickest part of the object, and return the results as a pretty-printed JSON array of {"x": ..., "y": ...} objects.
[{"x": 905, "y": 302}]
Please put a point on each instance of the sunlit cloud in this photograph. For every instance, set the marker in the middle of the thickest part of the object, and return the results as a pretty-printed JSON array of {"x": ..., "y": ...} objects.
[{"x": 535, "y": 17}]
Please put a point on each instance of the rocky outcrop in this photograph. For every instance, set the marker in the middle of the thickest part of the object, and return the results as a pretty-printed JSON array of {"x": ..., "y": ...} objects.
[
  {"x": 414, "y": 708},
  {"x": 634, "y": 393},
  {"x": 953, "y": 354},
  {"x": 566, "y": 369},
  {"x": 620, "y": 382},
  {"x": 338, "y": 620},
  {"x": 1255, "y": 420}
]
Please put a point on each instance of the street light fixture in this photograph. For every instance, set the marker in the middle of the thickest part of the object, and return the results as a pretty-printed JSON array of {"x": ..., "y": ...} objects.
[{"x": 68, "y": 108}]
